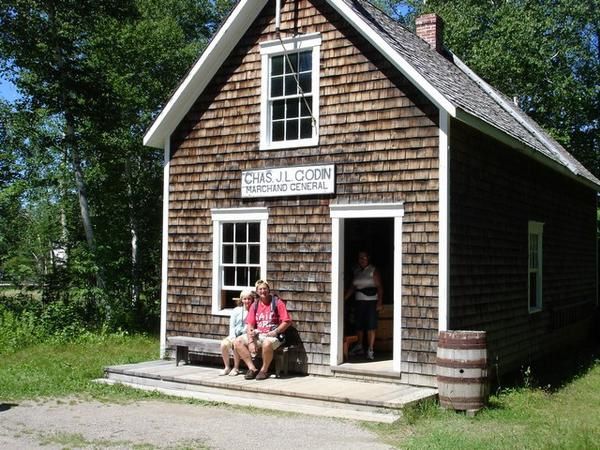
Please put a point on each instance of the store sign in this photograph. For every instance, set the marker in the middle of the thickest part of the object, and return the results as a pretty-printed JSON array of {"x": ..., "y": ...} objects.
[{"x": 288, "y": 181}]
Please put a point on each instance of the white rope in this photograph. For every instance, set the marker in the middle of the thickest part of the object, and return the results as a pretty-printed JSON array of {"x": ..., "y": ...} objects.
[{"x": 295, "y": 74}]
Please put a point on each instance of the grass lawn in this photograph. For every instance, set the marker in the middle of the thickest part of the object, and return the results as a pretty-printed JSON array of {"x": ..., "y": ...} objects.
[
  {"x": 567, "y": 417},
  {"x": 48, "y": 370}
]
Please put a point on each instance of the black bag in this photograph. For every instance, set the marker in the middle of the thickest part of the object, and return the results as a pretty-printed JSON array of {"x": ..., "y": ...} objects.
[
  {"x": 369, "y": 291},
  {"x": 289, "y": 337}
]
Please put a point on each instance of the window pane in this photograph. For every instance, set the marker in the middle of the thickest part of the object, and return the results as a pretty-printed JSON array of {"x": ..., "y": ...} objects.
[
  {"x": 533, "y": 289},
  {"x": 277, "y": 87},
  {"x": 254, "y": 274},
  {"x": 277, "y": 65},
  {"x": 242, "y": 276},
  {"x": 228, "y": 297},
  {"x": 277, "y": 134},
  {"x": 254, "y": 254},
  {"x": 254, "y": 232},
  {"x": 278, "y": 109},
  {"x": 304, "y": 109},
  {"x": 240, "y": 254},
  {"x": 240, "y": 232},
  {"x": 533, "y": 251},
  {"x": 305, "y": 128},
  {"x": 227, "y": 254},
  {"x": 292, "y": 129},
  {"x": 293, "y": 60},
  {"x": 229, "y": 276},
  {"x": 240, "y": 261},
  {"x": 305, "y": 82},
  {"x": 227, "y": 232},
  {"x": 305, "y": 61},
  {"x": 291, "y": 87},
  {"x": 293, "y": 106}
]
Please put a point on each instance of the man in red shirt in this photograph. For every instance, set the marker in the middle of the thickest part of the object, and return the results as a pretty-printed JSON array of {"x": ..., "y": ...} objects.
[{"x": 263, "y": 324}]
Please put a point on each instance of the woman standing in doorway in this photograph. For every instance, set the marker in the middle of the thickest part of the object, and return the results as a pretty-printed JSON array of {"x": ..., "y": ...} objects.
[{"x": 368, "y": 293}]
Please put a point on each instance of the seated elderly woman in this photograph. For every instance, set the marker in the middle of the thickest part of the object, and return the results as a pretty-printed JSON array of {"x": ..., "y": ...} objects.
[
  {"x": 262, "y": 328},
  {"x": 237, "y": 326}
]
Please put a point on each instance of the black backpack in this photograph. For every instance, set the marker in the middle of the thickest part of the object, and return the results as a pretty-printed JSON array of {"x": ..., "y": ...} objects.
[{"x": 290, "y": 336}]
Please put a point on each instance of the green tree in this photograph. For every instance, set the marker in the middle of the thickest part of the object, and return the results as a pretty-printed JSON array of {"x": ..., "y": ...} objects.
[
  {"x": 29, "y": 193},
  {"x": 100, "y": 70}
]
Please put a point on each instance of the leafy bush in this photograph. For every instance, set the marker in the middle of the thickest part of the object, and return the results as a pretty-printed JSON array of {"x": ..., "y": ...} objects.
[
  {"x": 25, "y": 320},
  {"x": 18, "y": 330},
  {"x": 18, "y": 269}
]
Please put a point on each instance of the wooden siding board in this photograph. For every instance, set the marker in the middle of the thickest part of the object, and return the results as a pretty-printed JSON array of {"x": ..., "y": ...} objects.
[
  {"x": 495, "y": 192},
  {"x": 378, "y": 130}
]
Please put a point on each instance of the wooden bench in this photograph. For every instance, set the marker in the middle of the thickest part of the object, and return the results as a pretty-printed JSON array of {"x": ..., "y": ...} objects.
[{"x": 184, "y": 345}]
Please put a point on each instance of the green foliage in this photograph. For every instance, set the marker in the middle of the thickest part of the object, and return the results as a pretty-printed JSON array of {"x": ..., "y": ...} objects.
[
  {"x": 74, "y": 174},
  {"x": 18, "y": 330},
  {"x": 419, "y": 411},
  {"x": 27, "y": 320}
]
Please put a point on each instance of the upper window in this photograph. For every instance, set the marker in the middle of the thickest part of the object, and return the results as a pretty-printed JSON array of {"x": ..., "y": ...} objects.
[
  {"x": 290, "y": 92},
  {"x": 239, "y": 253},
  {"x": 535, "y": 241}
]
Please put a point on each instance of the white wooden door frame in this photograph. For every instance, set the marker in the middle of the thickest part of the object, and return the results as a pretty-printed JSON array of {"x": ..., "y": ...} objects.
[{"x": 338, "y": 214}]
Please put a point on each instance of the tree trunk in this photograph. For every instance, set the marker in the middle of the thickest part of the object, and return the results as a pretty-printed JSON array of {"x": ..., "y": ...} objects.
[
  {"x": 81, "y": 192},
  {"x": 64, "y": 236}
]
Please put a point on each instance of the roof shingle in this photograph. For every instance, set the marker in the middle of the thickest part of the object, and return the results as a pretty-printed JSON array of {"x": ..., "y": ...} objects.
[{"x": 465, "y": 90}]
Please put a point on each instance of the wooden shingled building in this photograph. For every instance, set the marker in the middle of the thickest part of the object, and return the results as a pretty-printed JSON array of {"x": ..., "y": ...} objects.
[{"x": 309, "y": 129}]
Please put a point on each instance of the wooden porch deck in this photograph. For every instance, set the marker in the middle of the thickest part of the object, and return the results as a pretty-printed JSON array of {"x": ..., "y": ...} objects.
[{"x": 325, "y": 396}]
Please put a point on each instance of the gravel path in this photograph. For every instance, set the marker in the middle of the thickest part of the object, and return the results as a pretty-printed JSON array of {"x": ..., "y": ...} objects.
[{"x": 79, "y": 424}]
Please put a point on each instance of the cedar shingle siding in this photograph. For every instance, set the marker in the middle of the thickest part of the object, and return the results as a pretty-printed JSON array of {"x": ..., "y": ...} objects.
[
  {"x": 378, "y": 130},
  {"x": 381, "y": 133},
  {"x": 495, "y": 191}
]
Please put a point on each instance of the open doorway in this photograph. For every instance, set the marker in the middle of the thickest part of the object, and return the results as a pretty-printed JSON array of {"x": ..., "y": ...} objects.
[
  {"x": 376, "y": 236},
  {"x": 378, "y": 225}
]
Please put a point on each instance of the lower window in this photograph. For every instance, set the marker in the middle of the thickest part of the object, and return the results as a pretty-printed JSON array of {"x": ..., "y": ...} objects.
[
  {"x": 535, "y": 241},
  {"x": 239, "y": 253}
]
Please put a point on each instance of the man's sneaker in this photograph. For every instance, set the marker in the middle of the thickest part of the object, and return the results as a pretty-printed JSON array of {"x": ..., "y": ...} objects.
[
  {"x": 370, "y": 354},
  {"x": 356, "y": 350}
]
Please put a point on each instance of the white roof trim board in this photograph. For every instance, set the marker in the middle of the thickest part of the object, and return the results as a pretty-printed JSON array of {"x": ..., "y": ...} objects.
[{"x": 448, "y": 83}]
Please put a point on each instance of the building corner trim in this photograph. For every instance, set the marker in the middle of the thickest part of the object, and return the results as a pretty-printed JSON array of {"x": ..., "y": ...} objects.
[
  {"x": 444, "y": 221},
  {"x": 164, "y": 249}
]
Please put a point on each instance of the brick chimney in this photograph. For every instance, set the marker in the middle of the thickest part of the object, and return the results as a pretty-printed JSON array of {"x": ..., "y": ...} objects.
[{"x": 430, "y": 27}]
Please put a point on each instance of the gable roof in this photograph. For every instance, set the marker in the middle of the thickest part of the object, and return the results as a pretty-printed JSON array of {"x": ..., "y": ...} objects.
[{"x": 447, "y": 82}]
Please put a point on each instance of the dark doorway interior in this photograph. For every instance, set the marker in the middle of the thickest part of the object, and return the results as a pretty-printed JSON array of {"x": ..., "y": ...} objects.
[{"x": 377, "y": 237}]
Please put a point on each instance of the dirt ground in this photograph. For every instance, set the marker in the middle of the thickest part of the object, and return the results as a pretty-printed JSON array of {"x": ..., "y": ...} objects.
[{"x": 80, "y": 424}]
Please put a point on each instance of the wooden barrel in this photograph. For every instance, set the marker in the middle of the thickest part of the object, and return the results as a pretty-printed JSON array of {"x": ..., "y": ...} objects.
[{"x": 462, "y": 370}]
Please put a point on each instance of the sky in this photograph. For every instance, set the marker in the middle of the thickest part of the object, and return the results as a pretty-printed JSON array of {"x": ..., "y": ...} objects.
[{"x": 8, "y": 91}]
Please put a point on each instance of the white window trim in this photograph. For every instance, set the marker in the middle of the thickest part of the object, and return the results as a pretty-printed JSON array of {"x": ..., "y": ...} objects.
[
  {"x": 537, "y": 228},
  {"x": 235, "y": 215},
  {"x": 273, "y": 48}
]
